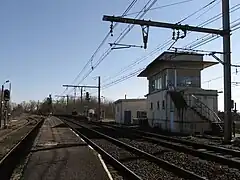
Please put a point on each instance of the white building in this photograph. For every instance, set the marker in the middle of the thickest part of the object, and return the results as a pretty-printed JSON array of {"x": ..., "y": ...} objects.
[
  {"x": 175, "y": 101},
  {"x": 126, "y": 110}
]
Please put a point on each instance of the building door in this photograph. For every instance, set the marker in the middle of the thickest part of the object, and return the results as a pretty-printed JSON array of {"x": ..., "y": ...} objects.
[{"x": 127, "y": 117}]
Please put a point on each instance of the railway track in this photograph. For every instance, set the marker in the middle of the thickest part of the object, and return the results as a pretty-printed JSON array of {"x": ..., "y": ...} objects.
[
  {"x": 169, "y": 167},
  {"x": 10, "y": 161},
  {"x": 220, "y": 155},
  {"x": 15, "y": 127}
]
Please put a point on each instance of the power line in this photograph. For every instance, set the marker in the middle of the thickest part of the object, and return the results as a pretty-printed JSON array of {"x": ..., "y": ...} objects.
[
  {"x": 210, "y": 8},
  {"x": 131, "y": 74},
  {"x": 210, "y": 3},
  {"x": 236, "y": 27},
  {"x": 120, "y": 37},
  {"x": 219, "y": 77},
  {"x": 103, "y": 41},
  {"x": 206, "y": 39},
  {"x": 123, "y": 78},
  {"x": 162, "y": 46},
  {"x": 139, "y": 60},
  {"x": 163, "y": 6},
  {"x": 211, "y": 20}
]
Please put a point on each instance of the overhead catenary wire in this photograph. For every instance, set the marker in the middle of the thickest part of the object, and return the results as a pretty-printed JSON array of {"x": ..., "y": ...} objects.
[
  {"x": 163, "y": 6},
  {"x": 123, "y": 78},
  {"x": 211, "y": 20},
  {"x": 207, "y": 10},
  {"x": 161, "y": 46},
  {"x": 102, "y": 43},
  {"x": 206, "y": 39},
  {"x": 120, "y": 37},
  {"x": 139, "y": 60},
  {"x": 131, "y": 75},
  {"x": 145, "y": 9},
  {"x": 192, "y": 14},
  {"x": 104, "y": 40},
  {"x": 234, "y": 28},
  {"x": 118, "y": 40}
]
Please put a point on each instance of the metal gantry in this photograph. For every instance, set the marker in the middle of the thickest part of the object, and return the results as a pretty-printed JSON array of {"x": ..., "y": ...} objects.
[{"x": 87, "y": 86}]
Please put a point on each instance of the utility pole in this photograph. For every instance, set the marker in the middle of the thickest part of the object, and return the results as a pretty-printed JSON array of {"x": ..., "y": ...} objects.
[
  {"x": 67, "y": 104},
  {"x": 1, "y": 106},
  {"x": 81, "y": 98},
  {"x": 225, "y": 33},
  {"x": 227, "y": 72},
  {"x": 81, "y": 95},
  {"x": 99, "y": 98},
  {"x": 74, "y": 100}
]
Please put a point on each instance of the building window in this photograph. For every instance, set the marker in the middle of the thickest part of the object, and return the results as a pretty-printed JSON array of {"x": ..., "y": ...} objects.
[
  {"x": 152, "y": 86},
  {"x": 158, "y": 105},
  {"x": 159, "y": 83},
  {"x": 155, "y": 83},
  {"x": 151, "y": 106},
  {"x": 163, "y": 104},
  {"x": 141, "y": 114}
]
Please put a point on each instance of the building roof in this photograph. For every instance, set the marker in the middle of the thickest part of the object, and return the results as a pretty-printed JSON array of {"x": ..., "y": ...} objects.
[
  {"x": 162, "y": 59},
  {"x": 129, "y": 100}
]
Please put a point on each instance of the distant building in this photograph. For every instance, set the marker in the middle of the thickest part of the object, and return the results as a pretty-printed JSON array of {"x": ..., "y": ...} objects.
[
  {"x": 126, "y": 110},
  {"x": 175, "y": 101}
]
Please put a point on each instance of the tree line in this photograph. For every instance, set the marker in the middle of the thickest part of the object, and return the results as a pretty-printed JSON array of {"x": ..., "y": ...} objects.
[{"x": 61, "y": 107}]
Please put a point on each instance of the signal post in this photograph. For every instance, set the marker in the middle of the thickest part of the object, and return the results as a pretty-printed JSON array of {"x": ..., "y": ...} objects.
[{"x": 87, "y": 93}]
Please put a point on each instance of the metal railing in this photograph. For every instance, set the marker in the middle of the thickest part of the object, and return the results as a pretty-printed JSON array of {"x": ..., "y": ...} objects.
[
  {"x": 210, "y": 113},
  {"x": 204, "y": 110}
]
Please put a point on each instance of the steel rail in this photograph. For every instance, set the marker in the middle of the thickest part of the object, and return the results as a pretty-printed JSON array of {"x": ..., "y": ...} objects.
[
  {"x": 162, "y": 163},
  {"x": 196, "y": 145},
  {"x": 9, "y": 162},
  {"x": 206, "y": 152}
]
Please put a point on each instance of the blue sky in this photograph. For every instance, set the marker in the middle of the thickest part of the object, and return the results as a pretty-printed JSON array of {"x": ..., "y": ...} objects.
[{"x": 46, "y": 43}]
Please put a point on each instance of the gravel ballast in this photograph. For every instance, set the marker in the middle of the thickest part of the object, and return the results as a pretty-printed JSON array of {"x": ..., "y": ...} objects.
[
  {"x": 235, "y": 145},
  {"x": 209, "y": 169},
  {"x": 143, "y": 168}
]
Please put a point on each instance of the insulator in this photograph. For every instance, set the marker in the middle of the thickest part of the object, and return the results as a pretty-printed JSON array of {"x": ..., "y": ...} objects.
[
  {"x": 111, "y": 29},
  {"x": 178, "y": 34},
  {"x": 173, "y": 36}
]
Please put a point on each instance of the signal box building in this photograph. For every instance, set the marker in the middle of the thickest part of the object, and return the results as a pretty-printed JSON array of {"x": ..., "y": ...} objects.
[
  {"x": 175, "y": 100},
  {"x": 126, "y": 110}
]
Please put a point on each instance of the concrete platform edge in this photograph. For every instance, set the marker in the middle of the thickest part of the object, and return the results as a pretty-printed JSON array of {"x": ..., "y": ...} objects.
[{"x": 99, "y": 155}]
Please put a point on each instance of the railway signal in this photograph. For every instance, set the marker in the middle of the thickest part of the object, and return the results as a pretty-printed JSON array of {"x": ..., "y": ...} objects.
[
  {"x": 87, "y": 96},
  {"x": 6, "y": 95}
]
